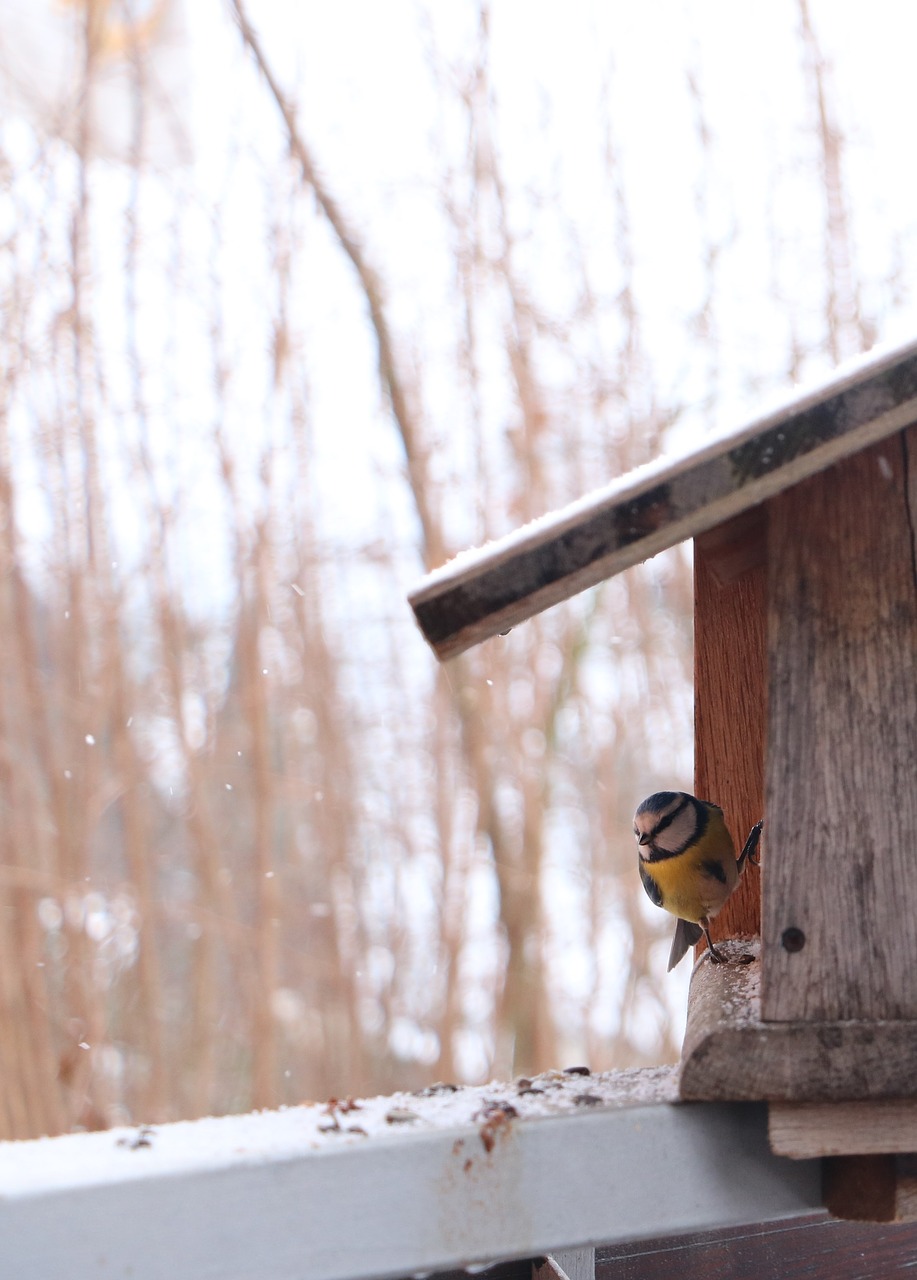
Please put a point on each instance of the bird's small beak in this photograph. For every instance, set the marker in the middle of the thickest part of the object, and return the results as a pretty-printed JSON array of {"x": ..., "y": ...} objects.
[{"x": 643, "y": 838}]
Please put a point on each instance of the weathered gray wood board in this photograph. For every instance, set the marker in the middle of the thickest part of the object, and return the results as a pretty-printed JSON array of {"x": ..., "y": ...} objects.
[
  {"x": 730, "y": 1053},
  {"x": 841, "y": 755},
  {"x": 481, "y": 593}
]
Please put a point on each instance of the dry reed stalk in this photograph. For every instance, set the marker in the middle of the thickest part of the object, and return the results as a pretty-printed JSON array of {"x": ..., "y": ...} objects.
[
  {"x": 848, "y": 331},
  {"x": 253, "y": 685},
  {"x": 333, "y": 816},
  {"x": 415, "y": 453}
]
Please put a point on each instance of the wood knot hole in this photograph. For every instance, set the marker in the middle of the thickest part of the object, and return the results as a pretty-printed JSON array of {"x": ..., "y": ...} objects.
[{"x": 793, "y": 939}]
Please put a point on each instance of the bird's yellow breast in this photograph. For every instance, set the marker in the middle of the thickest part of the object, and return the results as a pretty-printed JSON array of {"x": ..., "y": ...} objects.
[{"x": 695, "y": 884}]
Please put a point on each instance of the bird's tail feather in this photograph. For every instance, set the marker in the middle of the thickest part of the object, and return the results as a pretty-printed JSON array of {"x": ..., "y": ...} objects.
[{"x": 686, "y": 935}]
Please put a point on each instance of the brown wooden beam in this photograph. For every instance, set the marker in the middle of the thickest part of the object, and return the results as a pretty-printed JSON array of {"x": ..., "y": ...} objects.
[
  {"x": 876, "y": 1188},
  {"x": 730, "y": 692}
]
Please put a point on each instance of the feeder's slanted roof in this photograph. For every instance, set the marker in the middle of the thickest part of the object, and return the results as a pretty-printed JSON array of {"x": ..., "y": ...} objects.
[{"x": 487, "y": 590}]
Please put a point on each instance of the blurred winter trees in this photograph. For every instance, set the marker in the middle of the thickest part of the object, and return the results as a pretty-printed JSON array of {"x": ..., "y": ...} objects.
[{"x": 293, "y": 309}]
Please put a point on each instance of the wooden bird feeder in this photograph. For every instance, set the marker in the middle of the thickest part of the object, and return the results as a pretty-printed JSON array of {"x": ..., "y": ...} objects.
[{"x": 805, "y": 550}]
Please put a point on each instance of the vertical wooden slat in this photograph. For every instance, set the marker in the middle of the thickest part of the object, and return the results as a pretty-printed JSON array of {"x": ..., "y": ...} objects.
[
  {"x": 842, "y": 744},
  {"x": 874, "y": 1188},
  {"x": 730, "y": 691}
]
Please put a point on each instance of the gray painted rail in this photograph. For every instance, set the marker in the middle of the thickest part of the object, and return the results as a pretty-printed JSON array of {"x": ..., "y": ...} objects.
[{"x": 392, "y": 1186}]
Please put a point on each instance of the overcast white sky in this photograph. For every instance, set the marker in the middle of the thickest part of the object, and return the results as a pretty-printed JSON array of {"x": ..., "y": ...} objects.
[{"x": 375, "y": 90}]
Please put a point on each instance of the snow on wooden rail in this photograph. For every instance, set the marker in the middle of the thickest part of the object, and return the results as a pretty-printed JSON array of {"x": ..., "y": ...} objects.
[
  {"x": 488, "y": 590},
  {"x": 393, "y": 1186}
]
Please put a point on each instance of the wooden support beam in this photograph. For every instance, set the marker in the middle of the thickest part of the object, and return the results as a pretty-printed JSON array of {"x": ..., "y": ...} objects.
[
  {"x": 730, "y": 692},
  {"x": 840, "y": 893},
  {"x": 871, "y": 1188},
  {"x": 805, "y": 1130},
  {"x": 485, "y": 591}
]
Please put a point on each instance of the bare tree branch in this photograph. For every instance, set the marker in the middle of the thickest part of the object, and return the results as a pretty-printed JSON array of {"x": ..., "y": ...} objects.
[{"x": 414, "y": 452}]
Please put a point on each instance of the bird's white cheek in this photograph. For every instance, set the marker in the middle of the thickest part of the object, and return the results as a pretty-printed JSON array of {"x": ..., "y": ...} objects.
[{"x": 681, "y": 831}]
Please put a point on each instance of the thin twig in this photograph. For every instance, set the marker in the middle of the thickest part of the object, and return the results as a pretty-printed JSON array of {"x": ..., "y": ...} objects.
[{"x": 415, "y": 455}]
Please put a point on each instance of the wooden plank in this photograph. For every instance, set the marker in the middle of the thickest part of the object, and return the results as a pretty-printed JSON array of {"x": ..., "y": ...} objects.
[
  {"x": 817, "y": 1248},
  {"x": 730, "y": 692},
  {"x": 569, "y": 1264},
  {"x": 841, "y": 817},
  {"x": 805, "y": 1130},
  {"x": 488, "y": 590},
  {"x": 871, "y": 1188},
  {"x": 729, "y": 1052},
  {"x": 393, "y": 1186}
]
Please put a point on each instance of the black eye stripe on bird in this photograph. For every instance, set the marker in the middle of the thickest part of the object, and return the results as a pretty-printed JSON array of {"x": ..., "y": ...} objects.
[
  {"x": 688, "y": 863},
  {"x": 668, "y": 818},
  {"x": 683, "y": 824}
]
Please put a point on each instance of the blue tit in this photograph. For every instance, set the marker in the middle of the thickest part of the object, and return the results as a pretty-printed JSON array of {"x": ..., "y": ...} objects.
[{"x": 688, "y": 863}]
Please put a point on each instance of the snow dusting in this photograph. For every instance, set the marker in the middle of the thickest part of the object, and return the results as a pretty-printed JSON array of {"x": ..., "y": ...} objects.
[{"x": 124, "y": 1154}]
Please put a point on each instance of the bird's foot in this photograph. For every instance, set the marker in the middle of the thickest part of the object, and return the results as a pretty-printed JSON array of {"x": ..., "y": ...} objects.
[
  {"x": 750, "y": 852},
  {"x": 717, "y": 956}
]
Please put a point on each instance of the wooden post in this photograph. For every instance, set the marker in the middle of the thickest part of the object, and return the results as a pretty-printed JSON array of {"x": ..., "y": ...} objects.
[
  {"x": 839, "y": 937},
  {"x": 730, "y": 691},
  {"x": 879, "y": 1188}
]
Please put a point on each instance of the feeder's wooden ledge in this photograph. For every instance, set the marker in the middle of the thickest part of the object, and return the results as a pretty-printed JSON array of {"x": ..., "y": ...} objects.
[{"x": 729, "y": 1054}]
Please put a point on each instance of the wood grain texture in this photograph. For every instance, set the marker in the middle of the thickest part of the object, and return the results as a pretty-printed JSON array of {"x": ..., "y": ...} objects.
[
  {"x": 841, "y": 809},
  {"x": 816, "y": 1248},
  {"x": 804, "y": 1130},
  {"x": 730, "y": 693},
  {"x": 729, "y": 1053},
  {"x": 485, "y": 591}
]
